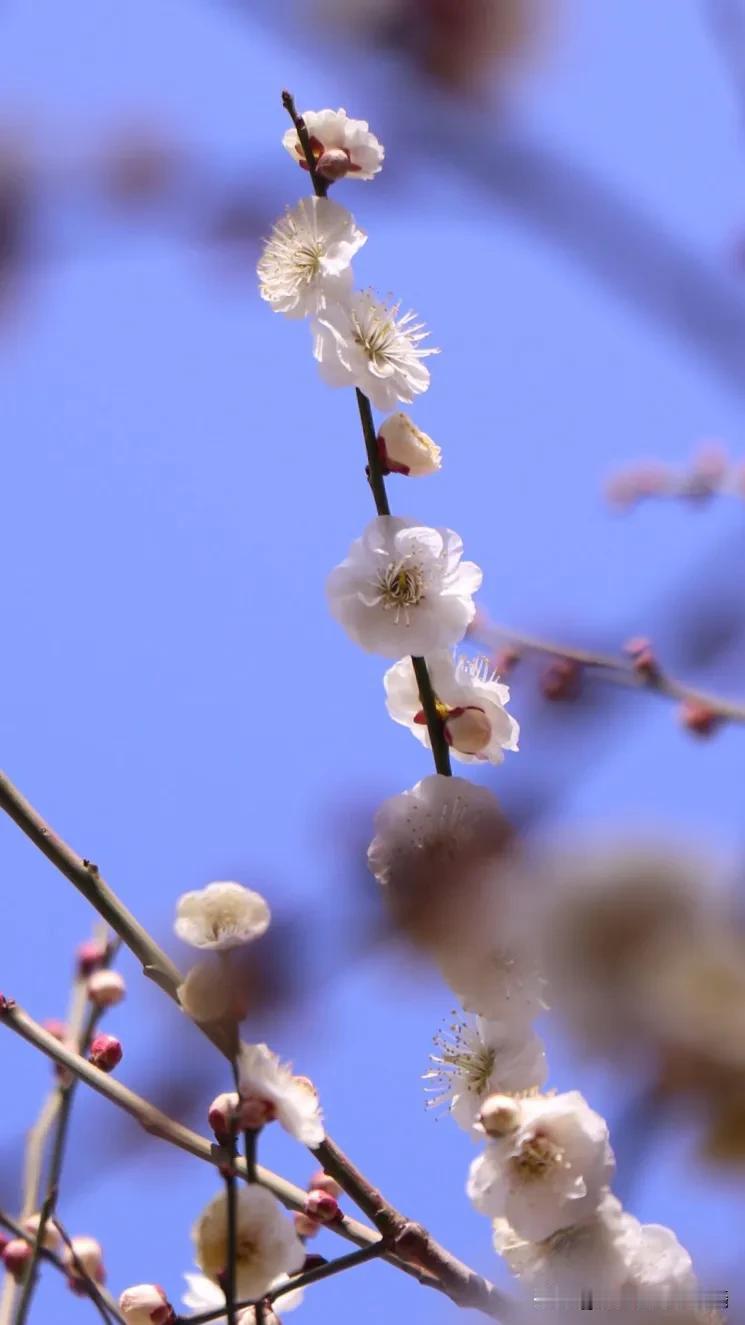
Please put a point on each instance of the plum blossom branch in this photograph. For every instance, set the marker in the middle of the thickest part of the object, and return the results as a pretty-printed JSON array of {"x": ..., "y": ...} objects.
[
  {"x": 52, "y": 1258},
  {"x": 95, "y": 1292}
]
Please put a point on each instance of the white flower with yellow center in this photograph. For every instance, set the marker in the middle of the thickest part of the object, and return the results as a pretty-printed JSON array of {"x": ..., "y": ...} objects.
[
  {"x": 340, "y": 145},
  {"x": 221, "y": 916},
  {"x": 471, "y": 703},
  {"x": 550, "y": 1172},
  {"x": 306, "y": 261},
  {"x": 364, "y": 343},
  {"x": 292, "y": 1100},
  {"x": 404, "y": 588},
  {"x": 477, "y": 1059},
  {"x": 267, "y": 1244}
]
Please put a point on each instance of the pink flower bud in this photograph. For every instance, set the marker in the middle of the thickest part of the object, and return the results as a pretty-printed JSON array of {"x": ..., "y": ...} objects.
[
  {"x": 562, "y": 679},
  {"x": 106, "y": 988},
  {"x": 322, "y": 1206},
  {"x": 91, "y": 955},
  {"x": 499, "y": 1115},
  {"x": 642, "y": 657},
  {"x": 146, "y": 1304},
  {"x": 53, "y": 1026},
  {"x": 333, "y": 163},
  {"x": 222, "y": 1116},
  {"x": 4, "y": 1240},
  {"x": 105, "y": 1052},
  {"x": 506, "y": 660},
  {"x": 87, "y": 1252},
  {"x": 699, "y": 718},
  {"x": 305, "y": 1227},
  {"x": 16, "y": 1257},
  {"x": 467, "y": 729},
  {"x": 51, "y": 1236},
  {"x": 323, "y": 1182}
]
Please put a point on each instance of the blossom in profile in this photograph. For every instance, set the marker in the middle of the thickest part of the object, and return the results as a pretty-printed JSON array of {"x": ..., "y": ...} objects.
[
  {"x": 306, "y": 261},
  {"x": 267, "y": 1244},
  {"x": 404, "y": 588},
  {"x": 277, "y": 1093},
  {"x": 204, "y": 1295},
  {"x": 340, "y": 145},
  {"x": 550, "y": 1172},
  {"x": 221, "y": 916},
  {"x": 405, "y": 449},
  {"x": 364, "y": 343},
  {"x": 52, "y": 1239},
  {"x": 146, "y": 1304},
  {"x": 478, "y": 1058},
  {"x": 84, "y": 1252},
  {"x": 471, "y": 702}
]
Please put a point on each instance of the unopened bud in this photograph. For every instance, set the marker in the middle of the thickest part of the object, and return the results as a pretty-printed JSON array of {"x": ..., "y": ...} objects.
[
  {"x": 86, "y": 1253},
  {"x": 698, "y": 717},
  {"x": 255, "y": 1113},
  {"x": 642, "y": 657},
  {"x": 323, "y": 1182},
  {"x": 105, "y": 1052},
  {"x": 146, "y": 1304},
  {"x": 305, "y": 1227},
  {"x": 499, "y": 1115},
  {"x": 506, "y": 660},
  {"x": 222, "y": 1115},
  {"x": 91, "y": 956},
  {"x": 467, "y": 729},
  {"x": 562, "y": 679},
  {"x": 4, "y": 1240},
  {"x": 405, "y": 449},
  {"x": 51, "y": 1236},
  {"x": 333, "y": 164},
  {"x": 322, "y": 1206},
  {"x": 106, "y": 988},
  {"x": 16, "y": 1256},
  {"x": 58, "y": 1029}
]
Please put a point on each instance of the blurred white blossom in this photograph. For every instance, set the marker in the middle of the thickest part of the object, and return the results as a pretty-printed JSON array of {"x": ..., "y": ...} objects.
[
  {"x": 306, "y": 261},
  {"x": 221, "y": 916},
  {"x": 267, "y": 1244},
  {"x": 292, "y": 1100}
]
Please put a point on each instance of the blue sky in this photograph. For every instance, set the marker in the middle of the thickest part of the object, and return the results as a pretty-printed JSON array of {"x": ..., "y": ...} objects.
[{"x": 177, "y": 484}]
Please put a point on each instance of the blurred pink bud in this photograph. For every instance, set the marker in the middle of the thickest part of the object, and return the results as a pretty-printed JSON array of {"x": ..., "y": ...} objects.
[
  {"x": 146, "y": 1304},
  {"x": 323, "y": 1182},
  {"x": 711, "y": 461},
  {"x": 51, "y": 1236},
  {"x": 255, "y": 1113},
  {"x": 53, "y": 1026},
  {"x": 322, "y": 1206},
  {"x": 4, "y": 1240},
  {"x": 91, "y": 955},
  {"x": 105, "y": 1052},
  {"x": 698, "y": 717},
  {"x": 86, "y": 1252},
  {"x": 305, "y": 1227},
  {"x": 505, "y": 660},
  {"x": 561, "y": 680},
  {"x": 106, "y": 988},
  {"x": 642, "y": 656},
  {"x": 333, "y": 164},
  {"x": 16, "y": 1256},
  {"x": 222, "y": 1115}
]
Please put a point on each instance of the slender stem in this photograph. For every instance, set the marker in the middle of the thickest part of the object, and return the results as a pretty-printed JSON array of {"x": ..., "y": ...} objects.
[
  {"x": 53, "y": 1259},
  {"x": 251, "y": 1139},
  {"x": 435, "y": 724},
  {"x": 232, "y": 1247},
  {"x": 94, "y": 1291},
  {"x": 50, "y": 1200},
  {"x": 374, "y": 469},
  {"x": 320, "y": 185}
]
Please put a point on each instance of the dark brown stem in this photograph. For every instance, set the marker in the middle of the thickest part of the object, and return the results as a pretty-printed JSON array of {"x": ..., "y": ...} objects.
[{"x": 320, "y": 185}]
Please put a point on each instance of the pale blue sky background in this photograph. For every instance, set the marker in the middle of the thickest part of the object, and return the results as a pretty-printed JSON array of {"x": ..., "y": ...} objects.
[{"x": 177, "y": 484}]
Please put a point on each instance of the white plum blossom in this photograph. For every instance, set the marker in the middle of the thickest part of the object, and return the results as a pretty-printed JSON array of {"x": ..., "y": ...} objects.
[
  {"x": 221, "y": 916},
  {"x": 479, "y": 1058},
  {"x": 364, "y": 343},
  {"x": 204, "y": 1295},
  {"x": 550, "y": 1172},
  {"x": 267, "y": 1244},
  {"x": 470, "y": 700},
  {"x": 405, "y": 449},
  {"x": 404, "y": 588},
  {"x": 660, "y": 1268},
  {"x": 340, "y": 145},
  {"x": 145, "y": 1304},
  {"x": 497, "y": 980},
  {"x": 306, "y": 261},
  {"x": 593, "y": 1255},
  {"x": 292, "y": 1100}
]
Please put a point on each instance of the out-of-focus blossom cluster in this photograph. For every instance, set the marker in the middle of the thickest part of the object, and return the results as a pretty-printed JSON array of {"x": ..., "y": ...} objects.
[{"x": 712, "y": 473}]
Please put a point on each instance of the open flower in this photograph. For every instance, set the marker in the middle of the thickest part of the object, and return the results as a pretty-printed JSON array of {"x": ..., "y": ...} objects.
[
  {"x": 404, "y": 588},
  {"x": 364, "y": 343},
  {"x": 204, "y": 1295},
  {"x": 221, "y": 916},
  {"x": 591, "y": 1256},
  {"x": 480, "y": 1058},
  {"x": 405, "y": 449},
  {"x": 291, "y": 1100},
  {"x": 306, "y": 261},
  {"x": 470, "y": 701},
  {"x": 267, "y": 1244},
  {"x": 340, "y": 145},
  {"x": 550, "y": 1172}
]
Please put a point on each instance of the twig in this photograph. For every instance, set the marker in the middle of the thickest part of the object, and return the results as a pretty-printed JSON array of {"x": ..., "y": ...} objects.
[
  {"x": 229, "y": 1286},
  {"x": 320, "y": 185},
  {"x": 94, "y": 1291}
]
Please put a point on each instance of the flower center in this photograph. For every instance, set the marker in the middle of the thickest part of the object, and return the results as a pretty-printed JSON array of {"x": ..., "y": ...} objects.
[
  {"x": 375, "y": 340},
  {"x": 307, "y": 260},
  {"x": 401, "y": 586},
  {"x": 537, "y": 1155}
]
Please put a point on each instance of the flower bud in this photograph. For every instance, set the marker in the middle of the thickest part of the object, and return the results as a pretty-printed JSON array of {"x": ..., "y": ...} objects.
[
  {"x": 53, "y": 1026},
  {"x": 254, "y": 1113},
  {"x": 4, "y": 1240},
  {"x": 467, "y": 729},
  {"x": 106, "y": 988},
  {"x": 642, "y": 657},
  {"x": 16, "y": 1256},
  {"x": 333, "y": 164},
  {"x": 105, "y": 1052},
  {"x": 698, "y": 717},
  {"x": 562, "y": 679},
  {"x": 222, "y": 1115},
  {"x": 405, "y": 449},
  {"x": 322, "y": 1206},
  {"x": 146, "y": 1304},
  {"x": 305, "y": 1227},
  {"x": 87, "y": 1253},
  {"x": 500, "y": 1115},
  {"x": 51, "y": 1236},
  {"x": 91, "y": 956},
  {"x": 323, "y": 1182}
]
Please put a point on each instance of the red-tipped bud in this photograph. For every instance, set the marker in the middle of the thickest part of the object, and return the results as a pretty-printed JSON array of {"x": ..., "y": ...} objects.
[
  {"x": 254, "y": 1113},
  {"x": 333, "y": 163},
  {"x": 16, "y": 1256},
  {"x": 52, "y": 1238},
  {"x": 644, "y": 662},
  {"x": 322, "y": 1206},
  {"x": 305, "y": 1227},
  {"x": 86, "y": 1253},
  {"x": 105, "y": 1052},
  {"x": 467, "y": 729},
  {"x": 698, "y": 717},
  {"x": 562, "y": 679},
  {"x": 222, "y": 1116},
  {"x": 146, "y": 1304},
  {"x": 106, "y": 988},
  {"x": 91, "y": 956},
  {"x": 323, "y": 1182}
]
